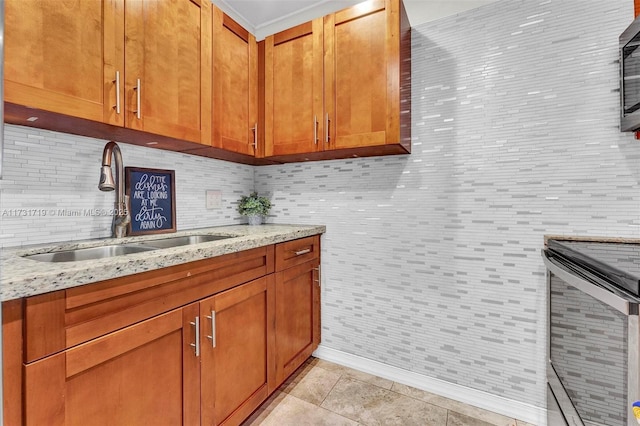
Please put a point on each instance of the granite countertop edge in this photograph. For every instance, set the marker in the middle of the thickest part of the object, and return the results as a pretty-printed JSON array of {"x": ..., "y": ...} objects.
[
  {"x": 21, "y": 277},
  {"x": 594, "y": 239}
]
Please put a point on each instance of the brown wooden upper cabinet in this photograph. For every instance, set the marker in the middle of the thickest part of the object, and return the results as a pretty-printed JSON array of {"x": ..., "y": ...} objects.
[
  {"x": 181, "y": 70},
  {"x": 70, "y": 58},
  {"x": 341, "y": 82},
  {"x": 54, "y": 56},
  {"x": 293, "y": 90},
  {"x": 235, "y": 86}
]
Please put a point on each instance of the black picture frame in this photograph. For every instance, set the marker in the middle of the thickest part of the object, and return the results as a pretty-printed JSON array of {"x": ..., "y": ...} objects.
[{"x": 152, "y": 200}]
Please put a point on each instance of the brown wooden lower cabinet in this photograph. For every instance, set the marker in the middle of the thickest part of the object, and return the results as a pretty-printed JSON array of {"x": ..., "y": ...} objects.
[
  {"x": 297, "y": 304},
  {"x": 238, "y": 324},
  {"x": 143, "y": 374},
  {"x": 297, "y": 324},
  {"x": 210, "y": 361}
]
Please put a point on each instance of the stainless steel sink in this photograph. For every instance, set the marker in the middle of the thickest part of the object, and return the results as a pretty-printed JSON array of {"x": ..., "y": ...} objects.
[
  {"x": 92, "y": 253},
  {"x": 112, "y": 250},
  {"x": 184, "y": 241}
]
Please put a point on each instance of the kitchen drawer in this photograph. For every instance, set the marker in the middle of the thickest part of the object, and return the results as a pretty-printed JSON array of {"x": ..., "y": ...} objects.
[
  {"x": 62, "y": 319},
  {"x": 296, "y": 252}
]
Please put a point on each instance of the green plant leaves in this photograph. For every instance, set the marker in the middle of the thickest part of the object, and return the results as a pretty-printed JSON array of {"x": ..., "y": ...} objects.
[{"x": 253, "y": 204}]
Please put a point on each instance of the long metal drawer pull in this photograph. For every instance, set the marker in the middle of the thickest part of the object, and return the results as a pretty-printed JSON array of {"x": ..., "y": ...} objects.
[
  {"x": 138, "y": 89},
  {"x": 196, "y": 345},
  {"x": 301, "y": 252},
  {"x": 213, "y": 329},
  {"x": 255, "y": 136},
  {"x": 315, "y": 129},
  {"x": 117, "y": 82},
  {"x": 326, "y": 132}
]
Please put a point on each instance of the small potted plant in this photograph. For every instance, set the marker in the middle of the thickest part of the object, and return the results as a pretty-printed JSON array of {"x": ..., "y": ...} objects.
[{"x": 254, "y": 207}]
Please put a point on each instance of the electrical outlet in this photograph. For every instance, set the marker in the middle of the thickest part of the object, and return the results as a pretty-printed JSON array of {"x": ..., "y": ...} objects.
[{"x": 213, "y": 199}]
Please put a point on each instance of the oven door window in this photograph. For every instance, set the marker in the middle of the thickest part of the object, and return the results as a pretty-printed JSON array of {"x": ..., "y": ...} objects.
[
  {"x": 589, "y": 353},
  {"x": 631, "y": 75}
]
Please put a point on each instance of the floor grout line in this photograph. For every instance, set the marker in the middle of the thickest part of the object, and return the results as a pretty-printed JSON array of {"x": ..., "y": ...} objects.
[{"x": 324, "y": 375}]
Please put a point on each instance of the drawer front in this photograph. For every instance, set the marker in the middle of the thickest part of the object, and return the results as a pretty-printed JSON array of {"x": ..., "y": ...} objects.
[
  {"x": 296, "y": 252},
  {"x": 63, "y": 319}
]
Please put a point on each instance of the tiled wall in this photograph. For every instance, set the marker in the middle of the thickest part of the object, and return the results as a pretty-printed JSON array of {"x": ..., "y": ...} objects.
[
  {"x": 431, "y": 262},
  {"x": 49, "y": 190}
]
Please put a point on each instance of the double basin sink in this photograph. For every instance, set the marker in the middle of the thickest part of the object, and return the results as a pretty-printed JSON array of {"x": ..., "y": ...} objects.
[{"x": 103, "y": 252}]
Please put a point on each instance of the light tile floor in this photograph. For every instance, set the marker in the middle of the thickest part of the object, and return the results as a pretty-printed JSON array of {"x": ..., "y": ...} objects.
[{"x": 322, "y": 393}]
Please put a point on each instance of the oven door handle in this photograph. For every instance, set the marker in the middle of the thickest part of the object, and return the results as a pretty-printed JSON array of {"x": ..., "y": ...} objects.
[{"x": 626, "y": 304}]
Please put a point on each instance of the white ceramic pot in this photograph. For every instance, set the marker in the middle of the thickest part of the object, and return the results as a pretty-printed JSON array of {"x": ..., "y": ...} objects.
[{"x": 255, "y": 219}]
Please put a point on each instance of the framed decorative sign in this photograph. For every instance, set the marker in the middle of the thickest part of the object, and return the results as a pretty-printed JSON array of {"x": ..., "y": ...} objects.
[{"x": 152, "y": 199}]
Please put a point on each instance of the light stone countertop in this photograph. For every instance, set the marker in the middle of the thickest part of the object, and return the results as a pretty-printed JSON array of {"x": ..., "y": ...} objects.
[
  {"x": 20, "y": 277},
  {"x": 615, "y": 240}
]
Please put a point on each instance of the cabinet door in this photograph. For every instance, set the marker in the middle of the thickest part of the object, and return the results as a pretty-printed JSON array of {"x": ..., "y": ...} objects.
[
  {"x": 361, "y": 75},
  {"x": 168, "y": 68},
  {"x": 235, "y": 86},
  {"x": 293, "y": 90},
  {"x": 297, "y": 317},
  {"x": 237, "y": 330},
  {"x": 147, "y": 373},
  {"x": 55, "y": 56}
]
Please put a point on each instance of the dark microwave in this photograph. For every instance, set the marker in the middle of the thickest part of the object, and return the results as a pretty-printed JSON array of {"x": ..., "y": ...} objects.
[{"x": 630, "y": 78}]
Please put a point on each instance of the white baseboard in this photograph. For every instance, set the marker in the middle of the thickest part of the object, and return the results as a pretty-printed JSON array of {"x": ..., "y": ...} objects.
[{"x": 497, "y": 404}]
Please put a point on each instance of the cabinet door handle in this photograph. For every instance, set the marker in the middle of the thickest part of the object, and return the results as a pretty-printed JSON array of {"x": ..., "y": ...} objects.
[
  {"x": 317, "y": 275},
  {"x": 327, "y": 137},
  {"x": 138, "y": 89},
  {"x": 301, "y": 252},
  {"x": 315, "y": 129},
  {"x": 255, "y": 136},
  {"x": 196, "y": 345},
  {"x": 213, "y": 328},
  {"x": 117, "y": 82}
]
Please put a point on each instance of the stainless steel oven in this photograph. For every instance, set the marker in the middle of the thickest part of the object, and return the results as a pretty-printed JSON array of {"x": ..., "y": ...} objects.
[{"x": 593, "y": 330}]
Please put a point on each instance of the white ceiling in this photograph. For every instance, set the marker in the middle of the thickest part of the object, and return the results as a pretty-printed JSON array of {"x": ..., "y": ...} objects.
[{"x": 266, "y": 17}]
